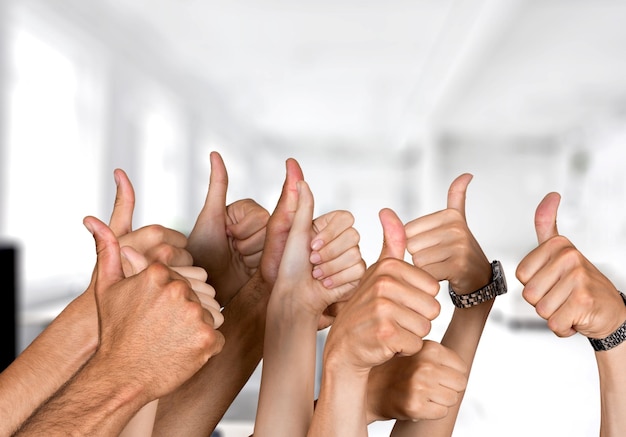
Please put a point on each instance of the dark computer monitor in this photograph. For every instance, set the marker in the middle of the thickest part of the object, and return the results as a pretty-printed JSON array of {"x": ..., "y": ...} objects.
[{"x": 8, "y": 304}]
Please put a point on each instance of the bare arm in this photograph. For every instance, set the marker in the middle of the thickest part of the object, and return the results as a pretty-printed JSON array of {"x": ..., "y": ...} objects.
[
  {"x": 153, "y": 335},
  {"x": 296, "y": 306},
  {"x": 573, "y": 296},
  {"x": 443, "y": 245},
  {"x": 197, "y": 406},
  {"x": 612, "y": 391}
]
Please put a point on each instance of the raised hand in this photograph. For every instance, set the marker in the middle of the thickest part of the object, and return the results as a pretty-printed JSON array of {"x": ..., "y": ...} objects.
[
  {"x": 227, "y": 241},
  {"x": 296, "y": 275},
  {"x": 388, "y": 315},
  {"x": 418, "y": 387},
  {"x": 152, "y": 324},
  {"x": 391, "y": 310},
  {"x": 565, "y": 288},
  {"x": 443, "y": 245},
  {"x": 153, "y": 335}
]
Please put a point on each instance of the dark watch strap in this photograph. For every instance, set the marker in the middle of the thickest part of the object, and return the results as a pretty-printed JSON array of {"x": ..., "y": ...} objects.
[
  {"x": 616, "y": 338},
  {"x": 496, "y": 287}
]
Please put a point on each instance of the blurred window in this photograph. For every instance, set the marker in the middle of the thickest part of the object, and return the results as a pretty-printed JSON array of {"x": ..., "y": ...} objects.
[{"x": 53, "y": 153}]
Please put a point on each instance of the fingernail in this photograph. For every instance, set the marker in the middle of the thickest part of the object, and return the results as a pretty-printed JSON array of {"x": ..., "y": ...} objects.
[
  {"x": 317, "y": 244},
  {"x": 317, "y": 273},
  {"x": 328, "y": 283},
  {"x": 315, "y": 258}
]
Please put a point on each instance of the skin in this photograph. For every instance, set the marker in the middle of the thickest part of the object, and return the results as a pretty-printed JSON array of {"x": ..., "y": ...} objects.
[
  {"x": 388, "y": 315},
  {"x": 443, "y": 245},
  {"x": 153, "y": 334},
  {"x": 72, "y": 337},
  {"x": 296, "y": 306},
  {"x": 569, "y": 292},
  {"x": 423, "y": 386},
  {"x": 195, "y": 410},
  {"x": 227, "y": 241}
]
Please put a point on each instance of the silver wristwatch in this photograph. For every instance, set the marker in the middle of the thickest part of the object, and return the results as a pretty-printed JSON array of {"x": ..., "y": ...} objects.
[
  {"x": 616, "y": 338},
  {"x": 496, "y": 287}
]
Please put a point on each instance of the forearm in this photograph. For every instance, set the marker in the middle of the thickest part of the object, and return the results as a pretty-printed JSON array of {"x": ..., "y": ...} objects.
[
  {"x": 288, "y": 379},
  {"x": 341, "y": 407},
  {"x": 612, "y": 391},
  {"x": 462, "y": 336},
  {"x": 197, "y": 406},
  {"x": 48, "y": 362},
  {"x": 86, "y": 406}
]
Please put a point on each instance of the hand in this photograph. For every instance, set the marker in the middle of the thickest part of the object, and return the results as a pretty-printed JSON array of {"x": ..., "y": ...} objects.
[
  {"x": 336, "y": 257},
  {"x": 227, "y": 241},
  {"x": 295, "y": 281},
  {"x": 152, "y": 326},
  {"x": 389, "y": 313},
  {"x": 442, "y": 244},
  {"x": 418, "y": 387},
  {"x": 564, "y": 287},
  {"x": 195, "y": 276}
]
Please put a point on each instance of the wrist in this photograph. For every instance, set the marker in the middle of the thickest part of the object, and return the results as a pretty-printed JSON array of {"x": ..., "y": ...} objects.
[
  {"x": 496, "y": 287},
  {"x": 615, "y": 338}
]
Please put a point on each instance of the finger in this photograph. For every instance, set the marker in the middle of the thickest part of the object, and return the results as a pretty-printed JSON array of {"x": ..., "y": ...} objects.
[
  {"x": 394, "y": 237},
  {"x": 252, "y": 244},
  {"x": 205, "y": 293},
  {"x": 350, "y": 275},
  {"x": 132, "y": 261},
  {"x": 545, "y": 217},
  {"x": 191, "y": 272},
  {"x": 218, "y": 186},
  {"x": 213, "y": 317},
  {"x": 281, "y": 219},
  {"x": 109, "y": 263},
  {"x": 289, "y": 196},
  {"x": 304, "y": 214},
  {"x": 330, "y": 226},
  {"x": 121, "y": 222},
  {"x": 457, "y": 192},
  {"x": 340, "y": 262}
]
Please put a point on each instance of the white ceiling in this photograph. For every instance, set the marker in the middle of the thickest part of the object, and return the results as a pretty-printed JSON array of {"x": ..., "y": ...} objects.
[
  {"x": 361, "y": 73},
  {"x": 372, "y": 71}
]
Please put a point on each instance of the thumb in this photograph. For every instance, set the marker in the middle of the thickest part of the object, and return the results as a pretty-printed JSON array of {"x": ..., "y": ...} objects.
[
  {"x": 121, "y": 222},
  {"x": 218, "y": 185},
  {"x": 296, "y": 253},
  {"x": 545, "y": 217},
  {"x": 133, "y": 262},
  {"x": 457, "y": 192},
  {"x": 280, "y": 222},
  {"x": 304, "y": 213},
  {"x": 394, "y": 236},
  {"x": 109, "y": 263},
  {"x": 288, "y": 201}
]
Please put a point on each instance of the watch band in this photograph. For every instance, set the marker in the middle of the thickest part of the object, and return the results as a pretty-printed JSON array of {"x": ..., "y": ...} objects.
[
  {"x": 616, "y": 338},
  {"x": 496, "y": 287}
]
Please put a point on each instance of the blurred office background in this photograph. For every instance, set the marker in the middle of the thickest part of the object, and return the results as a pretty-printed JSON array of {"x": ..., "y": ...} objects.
[{"x": 382, "y": 103}]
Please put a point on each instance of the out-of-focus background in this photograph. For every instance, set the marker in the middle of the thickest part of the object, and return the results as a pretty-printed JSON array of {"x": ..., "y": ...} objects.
[{"x": 382, "y": 103}]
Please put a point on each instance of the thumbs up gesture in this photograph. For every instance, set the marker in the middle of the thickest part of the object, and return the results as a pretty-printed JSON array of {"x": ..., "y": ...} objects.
[
  {"x": 443, "y": 245},
  {"x": 153, "y": 329},
  {"x": 227, "y": 241},
  {"x": 565, "y": 288},
  {"x": 391, "y": 310}
]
